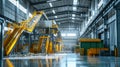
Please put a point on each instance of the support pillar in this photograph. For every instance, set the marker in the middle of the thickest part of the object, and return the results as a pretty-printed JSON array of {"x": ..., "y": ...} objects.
[
  {"x": 1, "y": 41},
  {"x": 118, "y": 27},
  {"x": 2, "y": 32},
  {"x": 105, "y": 32},
  {"x": 29, "y": 40}
]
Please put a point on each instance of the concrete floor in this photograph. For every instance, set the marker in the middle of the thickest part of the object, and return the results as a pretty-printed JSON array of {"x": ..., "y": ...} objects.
[{"x": 61, "y": 60}]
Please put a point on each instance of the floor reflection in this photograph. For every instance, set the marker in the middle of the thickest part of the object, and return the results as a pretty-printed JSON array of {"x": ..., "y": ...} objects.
[{"x": 61, "y": 60}]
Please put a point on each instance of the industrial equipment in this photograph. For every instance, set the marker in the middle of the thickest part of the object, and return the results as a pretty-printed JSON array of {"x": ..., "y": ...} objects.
[
  {"x": 47, "y": 39},
  {"x": 87, "y": 44},
  {"x": 95, "y": 51},
  {"x": 27, "y": 25},
  {"x": 43, "y": 41}
]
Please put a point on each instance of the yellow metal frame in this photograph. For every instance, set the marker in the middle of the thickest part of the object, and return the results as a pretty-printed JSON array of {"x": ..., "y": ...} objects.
[
  {"x": 11, "y": 40},
  {"x": 41, "y": 39},
  {"x": 9, "y": 31},
  {"x": 56, "y": 47},
  {"x": 50, "y": 50},
  {"x": 9, "y": 63}
]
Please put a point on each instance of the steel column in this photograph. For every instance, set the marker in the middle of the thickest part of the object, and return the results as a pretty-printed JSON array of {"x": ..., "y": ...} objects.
[
  {"x": 29, "y": 42},
  {"x": 2, "y": 33},
  {"x": 105, "y": 32},
  {"x": 1, "y": 41},
  {"x": 118, "y": 29}
]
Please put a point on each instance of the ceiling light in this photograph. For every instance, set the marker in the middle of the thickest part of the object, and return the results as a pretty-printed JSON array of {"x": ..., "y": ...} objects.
[
  {"x": 50, "y": 4},
  {"x": 73, "y": 18},
  {"x": 75, "y": 2},
  {"x": 53, "y": 11},
  {"x": 51, "y": 0},
  {"x": 56, "y": 17},
  {"x": 73, "y": 15},
  {"x": 74, "y": 8}
]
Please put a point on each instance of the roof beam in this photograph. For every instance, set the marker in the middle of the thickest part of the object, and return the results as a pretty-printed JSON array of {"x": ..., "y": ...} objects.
[
  {"x": 58, "y": 17},
  {"x": 54, "y": 7},
  {"x": 66, "y": 12},
  {"x": 69, "y": 20},
  {"x": 43, "y": 2},
  {"x": 66, "y": 17}
]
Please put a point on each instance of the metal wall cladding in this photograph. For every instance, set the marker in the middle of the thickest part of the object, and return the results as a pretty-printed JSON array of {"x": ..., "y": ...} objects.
[
  {"x": 9, "y": 10},
  {"x": 14, "y": 13}
]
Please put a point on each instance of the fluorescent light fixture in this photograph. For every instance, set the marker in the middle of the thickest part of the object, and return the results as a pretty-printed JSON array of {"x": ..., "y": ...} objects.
[
  {"x": 74, "y": 8},
  {"x": 56, "y": 17},
  {"x": 50, "y": 4},
  {"x": 53, "y": 11},
  {"x": 51, "y": 0},
  {"x": 73, "y": 15},
  {"x": 71, "y": 34},
  {"x": 73, "y": 18},
  {"x": 75, "y": 2}
]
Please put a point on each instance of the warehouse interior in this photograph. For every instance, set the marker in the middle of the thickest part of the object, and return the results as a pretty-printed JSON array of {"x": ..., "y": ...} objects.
[{"x": 59, "y": 33}]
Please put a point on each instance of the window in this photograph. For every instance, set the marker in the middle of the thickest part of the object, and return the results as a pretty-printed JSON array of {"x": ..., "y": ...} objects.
[
  {"x": 63, "y": 34},
  {"x": 71, "y": 34}
]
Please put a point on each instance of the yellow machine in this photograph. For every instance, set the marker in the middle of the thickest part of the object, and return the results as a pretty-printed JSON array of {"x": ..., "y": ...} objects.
[
  {"x": 57, "y": 47},
  {"x": 50, "y": 48},
  {"x": 37, "y": 48},
  {"x": 41, "y": 43},
  {"x": 27, "y": 25},
  {"x": 95, "y": 51},
  {"x": 46, "y": 41}
]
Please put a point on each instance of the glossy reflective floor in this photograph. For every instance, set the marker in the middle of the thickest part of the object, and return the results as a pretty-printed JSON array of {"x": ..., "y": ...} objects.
[{"x": 61, "y": 60}]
